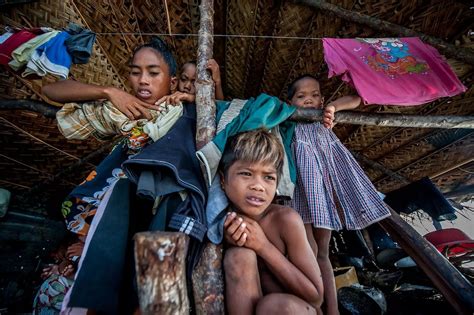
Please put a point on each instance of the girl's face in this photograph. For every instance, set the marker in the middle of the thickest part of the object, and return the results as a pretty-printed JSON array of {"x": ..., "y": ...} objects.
[
  {"x": 187, "y": 79},
  {"x": 307, "y": 94},
  {"x": 150, "y": 76}
]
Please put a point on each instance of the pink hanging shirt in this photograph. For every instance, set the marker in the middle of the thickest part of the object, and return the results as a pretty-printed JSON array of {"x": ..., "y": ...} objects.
[{"x": 391, "y": 71}]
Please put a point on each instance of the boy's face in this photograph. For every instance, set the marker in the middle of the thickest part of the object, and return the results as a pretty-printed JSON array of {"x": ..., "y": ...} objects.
[
  {"x": 250, "y": 187},
  {"x": 187, "y": 79},
  {"x": 150, "y": 76},
  {"x": 307, "y": 94}
]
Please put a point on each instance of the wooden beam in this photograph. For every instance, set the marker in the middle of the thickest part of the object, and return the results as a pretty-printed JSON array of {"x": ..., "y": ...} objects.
[
  {"x": 450, "y": 282},
  {"x": 160, "y": 262},
  {"x": 36, "y": 106},
  {"x": 460, "y": 53},
  {"x": 208, "y": 278},
  {"x": 387, "y": 119}
]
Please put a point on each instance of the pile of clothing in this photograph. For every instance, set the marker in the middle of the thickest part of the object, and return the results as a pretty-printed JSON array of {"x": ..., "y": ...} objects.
[{"x": 44, "y": 50}]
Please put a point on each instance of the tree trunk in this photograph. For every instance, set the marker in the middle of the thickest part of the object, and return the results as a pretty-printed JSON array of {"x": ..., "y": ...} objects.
[
  {"x": 160, "y": 262},
  {"x": 208, "y": 278}
]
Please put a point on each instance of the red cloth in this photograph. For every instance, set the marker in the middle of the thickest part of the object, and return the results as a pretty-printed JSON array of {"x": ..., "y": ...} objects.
[{"x": 12, "y": 42}]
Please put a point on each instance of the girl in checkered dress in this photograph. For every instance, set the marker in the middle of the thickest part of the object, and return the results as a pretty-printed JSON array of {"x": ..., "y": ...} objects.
[{"x": 332, "y": 190}]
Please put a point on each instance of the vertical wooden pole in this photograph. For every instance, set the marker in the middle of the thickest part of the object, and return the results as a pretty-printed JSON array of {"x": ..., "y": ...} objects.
[
  {"x": 208, "y": 278},
  {"x": 160, "y": 259}
]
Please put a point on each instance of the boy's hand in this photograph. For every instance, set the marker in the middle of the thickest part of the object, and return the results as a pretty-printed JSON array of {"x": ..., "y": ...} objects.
[
  {"x": 256, "y": 238},
  {"x": 328, "y": 116},
  {"x": 215, "y": 71},
  {"x": 129, "y": 105},
  {"x": 234, "y": 230},
  {"x": 176, "y": 98}
]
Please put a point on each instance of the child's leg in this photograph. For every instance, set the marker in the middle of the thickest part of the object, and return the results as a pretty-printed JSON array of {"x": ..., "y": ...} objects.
[
  {"x": 242, "y": 280},
  {"x": 312, "y": 242},
  {"x": 323, "y": 237},
  {"x": 281, "y": 303}
]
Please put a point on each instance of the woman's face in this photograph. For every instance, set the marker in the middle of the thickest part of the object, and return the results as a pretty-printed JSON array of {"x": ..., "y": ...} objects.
[{"x": 150, "y": 76}]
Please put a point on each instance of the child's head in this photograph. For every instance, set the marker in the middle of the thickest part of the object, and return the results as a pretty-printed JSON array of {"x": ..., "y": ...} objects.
[
  {"x": 250, "y": 167},
  {"x": 187, "y": 78},
  {"x": 304, "y": 91},
  {"x": 152, "y": 71}
]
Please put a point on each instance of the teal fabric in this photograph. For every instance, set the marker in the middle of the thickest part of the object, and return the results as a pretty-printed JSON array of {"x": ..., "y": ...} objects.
[{"x": 265, "y": 111}]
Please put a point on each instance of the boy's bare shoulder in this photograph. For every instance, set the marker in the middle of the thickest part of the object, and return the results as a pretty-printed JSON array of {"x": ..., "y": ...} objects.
[{"x": 284, "y": 214}]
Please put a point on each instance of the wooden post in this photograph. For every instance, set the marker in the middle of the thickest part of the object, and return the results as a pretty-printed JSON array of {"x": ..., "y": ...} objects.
[
  {"x": 450, "y": 282},
  {"x": 208, "y": 278},
  {"x": 386, "y": 119},
  {"x": 160, "y": 261},
  {"x": 459, "y": 53},
  {"x": 205, "y": 102}
]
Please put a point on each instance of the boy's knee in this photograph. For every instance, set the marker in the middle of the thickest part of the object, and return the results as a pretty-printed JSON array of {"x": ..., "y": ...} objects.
[{"x": 239, "y": 259}]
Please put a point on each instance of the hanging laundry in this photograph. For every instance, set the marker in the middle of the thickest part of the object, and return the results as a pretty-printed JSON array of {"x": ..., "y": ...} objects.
[
  {"x": 79, "y": 44},
  {"x": 23, "y": 53},
  {"x": 12, "y": 42},
  {"x": 5, "y": 36},
  {"x": 391, "y": 71},
  {"x": 51, "y": 57}
]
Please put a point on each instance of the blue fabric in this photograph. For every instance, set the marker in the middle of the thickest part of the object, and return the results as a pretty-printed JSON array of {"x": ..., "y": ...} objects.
[
  {"x": 80, "y": 43},
  {"x": 51, "y": 57}
]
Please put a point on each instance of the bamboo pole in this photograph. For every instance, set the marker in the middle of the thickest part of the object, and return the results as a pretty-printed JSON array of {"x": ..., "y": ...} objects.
[
  {"x": 301, "y": 114},
  {"x": 387, "y": 119},
  {"x": 460, "y": 53},
  {"x": 160, "y": 261},
  {"x": 43, "y": 108},
  {"x": 208, "y": 278}
]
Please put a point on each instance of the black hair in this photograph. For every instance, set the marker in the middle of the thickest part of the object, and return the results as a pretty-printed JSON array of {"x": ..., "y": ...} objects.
[
  {"x": 162, "y": 48},
  {"x": 292, "y": 86}
]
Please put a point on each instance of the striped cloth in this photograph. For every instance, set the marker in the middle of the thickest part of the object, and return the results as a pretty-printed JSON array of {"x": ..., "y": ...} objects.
[
  {"x": 103, "y": 120},
  {"x": 327, "y": 174}
]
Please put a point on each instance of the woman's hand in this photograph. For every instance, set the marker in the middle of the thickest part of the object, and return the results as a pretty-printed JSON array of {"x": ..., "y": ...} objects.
[
  {"x": 129, "y": 105},
  {"x": 176, "y": 98}
]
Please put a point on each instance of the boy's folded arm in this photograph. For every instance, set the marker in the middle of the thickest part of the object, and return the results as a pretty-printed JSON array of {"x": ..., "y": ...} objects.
[
  {"x": 74, "y": 91},
  {"x": 297, "y": 274}
]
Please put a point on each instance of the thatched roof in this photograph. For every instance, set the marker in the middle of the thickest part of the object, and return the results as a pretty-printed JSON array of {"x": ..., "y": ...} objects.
[{"x": 268, "y": 43}]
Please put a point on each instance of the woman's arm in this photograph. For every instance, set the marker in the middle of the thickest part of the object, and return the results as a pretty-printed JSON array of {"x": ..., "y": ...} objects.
[
  {"x": 301, "y": 276},
  {"x": 74, "y": 91}
]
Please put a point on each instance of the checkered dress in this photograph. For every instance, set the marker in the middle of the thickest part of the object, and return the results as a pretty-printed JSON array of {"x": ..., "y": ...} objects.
[{"x": 328, "y": 174}]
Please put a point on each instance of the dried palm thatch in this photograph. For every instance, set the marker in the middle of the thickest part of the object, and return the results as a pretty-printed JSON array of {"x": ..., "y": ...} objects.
[{"x": 267, "y": 44}]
